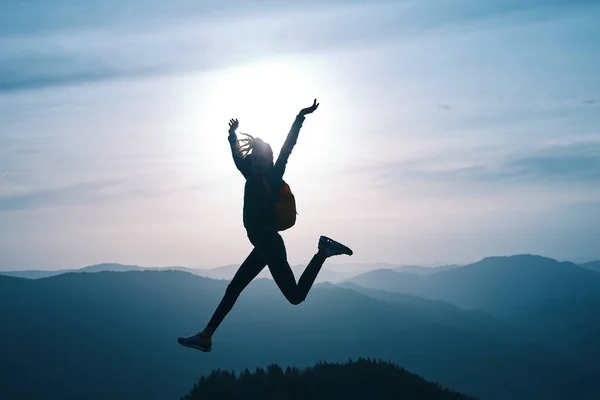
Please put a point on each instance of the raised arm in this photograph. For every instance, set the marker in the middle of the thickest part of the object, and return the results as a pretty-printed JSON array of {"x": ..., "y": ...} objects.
[
  {"x": 292, "y": 137},
  {"x": 242, "y": 164}
]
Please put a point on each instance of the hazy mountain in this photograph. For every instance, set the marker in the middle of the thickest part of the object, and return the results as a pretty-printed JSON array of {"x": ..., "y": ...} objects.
[
  {"x": 593, "y": 265},
  {"x": 493, "y": 282},
  {"x": 419, "y": 270},
  {"x": 110, "y": 267},
  {"x": 361, "y": 379},
  {"x": 113, "y": 335},
  {"x": 36, "y": 274},
  {"x": 418, "y": 308},
  {"x": 557, "y": 302},
  {"x": 354, "y": 268},
  {"x": 225, "y": 272},
  {"x": 569, "y": 325}
]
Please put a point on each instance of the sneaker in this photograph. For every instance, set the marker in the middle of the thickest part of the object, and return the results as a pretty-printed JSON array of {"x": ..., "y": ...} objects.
[
  {"x": 197, "y": 342},
  {"x": 332, "y": 248}
]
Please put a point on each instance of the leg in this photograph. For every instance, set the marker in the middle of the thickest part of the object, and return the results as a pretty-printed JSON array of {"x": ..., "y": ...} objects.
[
  {"x": 272, "y": 249},
  {"x": 268, "y": 249},
  {"x": 249, "y": 269},
  {"x": 310, "y": 274}
]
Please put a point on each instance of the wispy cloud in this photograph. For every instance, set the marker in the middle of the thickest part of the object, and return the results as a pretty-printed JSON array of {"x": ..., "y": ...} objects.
[
  {"x": 77, "y": 194},
  {"x": 88, "y": 51},
  {"x": 42, "y": 80},
  {"x": 573, "y": 161}
]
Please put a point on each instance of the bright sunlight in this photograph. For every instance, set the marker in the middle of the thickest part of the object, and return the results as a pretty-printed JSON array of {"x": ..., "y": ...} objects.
[{"x": 265, "y": 96}]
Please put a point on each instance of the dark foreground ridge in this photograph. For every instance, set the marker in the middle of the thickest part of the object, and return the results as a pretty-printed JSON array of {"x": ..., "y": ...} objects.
[{"x": 361, "y": 379}]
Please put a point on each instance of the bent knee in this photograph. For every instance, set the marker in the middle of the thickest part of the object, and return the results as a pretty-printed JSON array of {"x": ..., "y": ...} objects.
[{"x": 295, "y": 300}]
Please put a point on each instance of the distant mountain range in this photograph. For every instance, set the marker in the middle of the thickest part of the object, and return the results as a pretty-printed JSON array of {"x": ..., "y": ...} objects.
[
  {"x": 593, "y": 265},
  {"x": 559, "y": 302},
  {"x": 113, "y": 334},
  {"x": 332, "y": 272},
  {"x": 492, "y": 282},
  {"x": 225, "y": 272},
  {"x": 37, "y": 274},
  {"x": 419, "y": 270}
]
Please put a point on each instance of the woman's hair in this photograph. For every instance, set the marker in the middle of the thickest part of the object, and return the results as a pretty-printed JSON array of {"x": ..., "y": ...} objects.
[{"x": 252, "y": 144}]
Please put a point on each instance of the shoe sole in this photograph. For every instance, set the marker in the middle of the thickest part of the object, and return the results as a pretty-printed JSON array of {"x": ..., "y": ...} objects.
[{"x": 203, "y": 349}]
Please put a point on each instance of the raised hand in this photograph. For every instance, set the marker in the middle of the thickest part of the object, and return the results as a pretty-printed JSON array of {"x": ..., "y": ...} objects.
[
  {"x": 233, "y": 124},
  {"x": 309, "y": 110}
]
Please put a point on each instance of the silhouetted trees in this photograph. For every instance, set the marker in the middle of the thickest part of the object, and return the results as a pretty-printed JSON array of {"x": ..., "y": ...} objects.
[{"x": 361, "y": 379}]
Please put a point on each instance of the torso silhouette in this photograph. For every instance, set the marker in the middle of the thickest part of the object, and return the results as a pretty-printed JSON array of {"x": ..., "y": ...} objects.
[{"x": 259, "y": 202}]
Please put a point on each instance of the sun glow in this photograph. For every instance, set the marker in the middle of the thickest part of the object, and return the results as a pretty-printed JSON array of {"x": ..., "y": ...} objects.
[{"x": 265, "y": 97}]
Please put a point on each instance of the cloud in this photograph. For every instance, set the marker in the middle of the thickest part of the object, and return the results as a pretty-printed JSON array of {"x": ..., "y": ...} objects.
[
  {"x": 96, "y": 44},
  {"x": 81, "y": 193},
  {"x": 40, "y": 80},
  {"x": 555, "y": 167},
  {"x": 589, "y": 102},
  {"x": 20, "y": 17},
  {"x": 444, "y": 107},
  {"x": 575, "y": 161}
]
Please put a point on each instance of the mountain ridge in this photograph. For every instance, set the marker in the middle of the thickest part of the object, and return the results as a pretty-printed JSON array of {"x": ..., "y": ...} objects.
[{"x": 134, "y": 317}]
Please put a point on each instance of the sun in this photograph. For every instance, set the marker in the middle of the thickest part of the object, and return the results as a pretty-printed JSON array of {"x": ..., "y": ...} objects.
[{"x": 265, "y": 96}]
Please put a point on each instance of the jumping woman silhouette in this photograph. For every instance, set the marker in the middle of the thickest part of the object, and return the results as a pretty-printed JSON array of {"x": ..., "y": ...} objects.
[{"x": 264, "y": 181}]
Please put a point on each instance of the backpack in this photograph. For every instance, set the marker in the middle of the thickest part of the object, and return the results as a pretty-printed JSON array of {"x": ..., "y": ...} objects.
[{"x": 285, "y": 207}]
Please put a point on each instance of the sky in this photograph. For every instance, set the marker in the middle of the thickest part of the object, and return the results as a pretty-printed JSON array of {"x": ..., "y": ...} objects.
[{"x": 446, "y": 131}]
